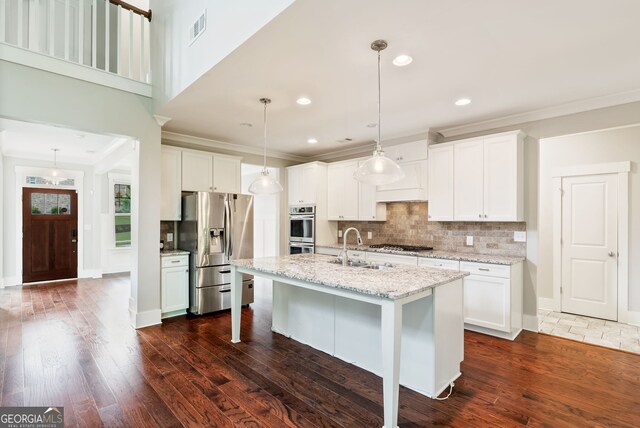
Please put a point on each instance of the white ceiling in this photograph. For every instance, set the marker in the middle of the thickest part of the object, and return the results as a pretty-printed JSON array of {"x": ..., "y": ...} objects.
[
  {"x": 36, "y": 141},
  {"x": 508, "y": 56}
]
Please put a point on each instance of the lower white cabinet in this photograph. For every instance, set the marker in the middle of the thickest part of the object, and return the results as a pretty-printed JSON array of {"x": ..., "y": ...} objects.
[
  {"x": 439, "y": 263},
  {"x": 493, "y": 298},
  {"x": 175, "y": 285},
  {"x": 392, "y": 258}
]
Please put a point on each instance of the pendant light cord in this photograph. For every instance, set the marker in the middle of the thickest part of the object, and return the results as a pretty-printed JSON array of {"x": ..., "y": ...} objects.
[
  {"x": 379, "y": 145},
  {"x": 264, "y": 164}
]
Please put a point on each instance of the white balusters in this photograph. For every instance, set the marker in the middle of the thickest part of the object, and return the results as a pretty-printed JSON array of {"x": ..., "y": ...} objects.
[
  {"x": 131, "y": 44},
  {"x": 67, "y": 28},
  {"x": 107, "y": 33},
  {"x": 3, "y": 26},
  {"x": 20, "y": 17},
  {"x": 52, "y": 26},
  {"x": 81, "y": 31},
  {"x": 94, "y": 34},
  {"x": 118, "y": 41}
]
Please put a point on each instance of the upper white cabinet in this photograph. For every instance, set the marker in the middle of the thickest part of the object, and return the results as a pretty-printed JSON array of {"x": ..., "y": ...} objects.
[
  {"x": 170, "y": 184},
  {"x": 408, "y": 152},
  {"x": 441, "y": 182},
  {"x": 210, "y": 172},
  {"x": 368, "y": 207},
  {"x": 468, "y": 186},
  {"x": 348, "y": 199},
  {"x": 480, "y": 179},
  {"x": 342, "y": 191},
  {"x": 305, "y": 182},
  {"x": 412, "y": 158}
]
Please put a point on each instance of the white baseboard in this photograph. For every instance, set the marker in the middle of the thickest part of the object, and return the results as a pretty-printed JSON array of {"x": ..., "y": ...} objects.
[
  {"x": 90, "y": 273},
  {"x": 117, "y": 269},
  {"x": 530, "y": 323},
  {"x": 10, "y": 281},
  {"x": 633, "y": 318},
  {"x": 547, "y": 304},
  {"x": 145, "y": 319}
]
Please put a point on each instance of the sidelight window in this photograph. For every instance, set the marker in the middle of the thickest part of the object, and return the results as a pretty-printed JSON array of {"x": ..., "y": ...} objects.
[{"x": 122, "y": 214}]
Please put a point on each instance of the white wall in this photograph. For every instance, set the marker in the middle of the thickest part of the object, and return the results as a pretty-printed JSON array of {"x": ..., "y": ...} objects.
[
  {"x": 593, "y": 148},
  {"x": 38, "y": 96},
  {"x": 177, "y": 65},
  {"x": 265, "y": 213}
]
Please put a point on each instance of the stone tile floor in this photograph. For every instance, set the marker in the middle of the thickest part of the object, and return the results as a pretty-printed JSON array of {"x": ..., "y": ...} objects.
[{"x": 590, "y": 330}]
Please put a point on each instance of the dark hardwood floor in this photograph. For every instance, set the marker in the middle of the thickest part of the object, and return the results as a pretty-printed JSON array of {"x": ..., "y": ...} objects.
[{"x": 71, "y": 344}]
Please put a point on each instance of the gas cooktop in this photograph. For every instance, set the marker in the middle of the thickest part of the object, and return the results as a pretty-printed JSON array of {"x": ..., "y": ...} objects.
[{"x": 398, "y": 247}]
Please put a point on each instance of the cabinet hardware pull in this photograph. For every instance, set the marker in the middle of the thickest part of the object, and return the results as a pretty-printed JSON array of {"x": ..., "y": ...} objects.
[
  {"x": 228, "y": 290},
  {"x": 485, "y": 269},
  {"x": 175, "y": 261},
  {"x": 225, "y": 271}
]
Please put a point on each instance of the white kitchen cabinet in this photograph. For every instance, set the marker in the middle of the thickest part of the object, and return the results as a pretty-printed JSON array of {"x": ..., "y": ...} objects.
[
  {"x": 468, "y": 176},
  {"x": 413, "y": 187},
  {"x": 439, "y": 263},
  {"x": 170, "y": 184},
  {"x": 493, "y": 298},
  {"x": 226, "y": 174},
  {"x": 174, "y": 280},
  {"x": 305, "y": 183},
  {"x": 210, "y": 172},
  {"x": 348, "y": 199},
  {"x": 342, "y": 191},
  {"x": 441, "y": 182},
  {"x": 408, "y": 152},
  {"x": 375, "y": 257},
  {"x": 489, "y": 178},
  {"x": 328, "y": 251}
]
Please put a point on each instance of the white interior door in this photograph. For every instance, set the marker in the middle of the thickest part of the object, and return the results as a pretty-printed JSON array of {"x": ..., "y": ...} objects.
[{"x": 590, "y": 245}]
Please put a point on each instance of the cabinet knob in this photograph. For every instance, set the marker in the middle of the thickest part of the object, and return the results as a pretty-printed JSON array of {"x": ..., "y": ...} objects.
[
  {"x": 485, "y": 216},
  {"x": 479, "y": 215},
  {"x": 429, "y": 216}
]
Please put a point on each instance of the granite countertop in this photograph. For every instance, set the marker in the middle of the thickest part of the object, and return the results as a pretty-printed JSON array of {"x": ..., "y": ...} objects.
[
  {"x": 435, "y": 254},
  {"x": 393, "y": 283},
  {"x": 168, "y": 253}
]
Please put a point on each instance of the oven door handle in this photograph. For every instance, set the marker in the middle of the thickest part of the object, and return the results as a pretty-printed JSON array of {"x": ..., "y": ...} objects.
[{"x": 302, "y": 217}]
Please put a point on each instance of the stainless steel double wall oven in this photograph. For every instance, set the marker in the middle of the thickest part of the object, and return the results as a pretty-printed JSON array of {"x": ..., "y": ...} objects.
[{"x": 302, "y": 229}]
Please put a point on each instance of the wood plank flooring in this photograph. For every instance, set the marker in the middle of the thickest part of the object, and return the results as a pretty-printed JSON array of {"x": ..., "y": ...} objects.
[{"x": 71, "y": 344}]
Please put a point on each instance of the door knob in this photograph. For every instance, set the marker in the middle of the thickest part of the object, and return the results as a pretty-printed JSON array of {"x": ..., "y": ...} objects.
[{"x": 612, "y": 254}]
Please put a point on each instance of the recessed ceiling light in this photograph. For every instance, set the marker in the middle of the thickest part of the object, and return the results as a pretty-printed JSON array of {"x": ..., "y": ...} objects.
[
  {"x": 303, "y": 101},
  {"x": 402, "y": 60},
  {"x": 463, "y": 102},
  {"x": 312, "y": 141}
]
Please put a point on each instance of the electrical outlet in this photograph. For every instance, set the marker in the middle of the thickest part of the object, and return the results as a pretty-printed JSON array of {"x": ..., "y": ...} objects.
[
  {"x": 519, "y": 236},
  {"x": 469, "y": 241},
  {"x": 340, "y": 233},
  {"x": 169, "y": 237},
  {"x": 369, "y": 235}
]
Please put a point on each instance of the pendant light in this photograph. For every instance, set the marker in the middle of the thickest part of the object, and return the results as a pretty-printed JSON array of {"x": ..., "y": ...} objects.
[
  {"x": 265, "y": 184},
  {"x": 379, "y": 169},
  {"x": 54, "y": 172}
]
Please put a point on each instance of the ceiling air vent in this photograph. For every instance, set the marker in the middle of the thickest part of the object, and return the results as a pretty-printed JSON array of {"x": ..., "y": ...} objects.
[{"x": 198, "y": 27}]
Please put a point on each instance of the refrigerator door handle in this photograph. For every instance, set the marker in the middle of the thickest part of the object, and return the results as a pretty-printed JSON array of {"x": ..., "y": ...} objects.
[{"x": 227, "y": 226}]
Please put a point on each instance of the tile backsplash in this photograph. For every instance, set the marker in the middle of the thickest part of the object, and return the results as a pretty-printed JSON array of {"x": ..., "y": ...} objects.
[
  {"x": 407, "y": 224},
  {"x": 167, "y": 227}
]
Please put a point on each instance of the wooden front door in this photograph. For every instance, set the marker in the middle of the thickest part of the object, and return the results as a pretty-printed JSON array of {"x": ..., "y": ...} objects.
[{"x": 50, "y": 234}]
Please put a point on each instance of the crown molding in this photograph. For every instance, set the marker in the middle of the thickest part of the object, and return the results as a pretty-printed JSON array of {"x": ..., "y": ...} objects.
[
  {"x": 214, "y": 144},
  {"x": 366, "y": 149},
  {"x": 545, "y": 113},
  {"x": 161, "y": 120}
]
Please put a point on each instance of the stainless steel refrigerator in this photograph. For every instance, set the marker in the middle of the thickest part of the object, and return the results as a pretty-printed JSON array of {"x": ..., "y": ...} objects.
[{"x": 216, "y": 228}]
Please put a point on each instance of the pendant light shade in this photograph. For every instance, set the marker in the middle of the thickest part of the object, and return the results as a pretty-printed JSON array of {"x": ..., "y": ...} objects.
[
  {"x": 379, "y": 169},
  {"x": 265, "y": 184},
  {"x": 54, "y": 172}
]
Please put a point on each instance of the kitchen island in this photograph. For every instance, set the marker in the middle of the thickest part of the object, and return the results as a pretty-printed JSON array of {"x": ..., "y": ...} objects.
[{"x": 404, "y": 323}]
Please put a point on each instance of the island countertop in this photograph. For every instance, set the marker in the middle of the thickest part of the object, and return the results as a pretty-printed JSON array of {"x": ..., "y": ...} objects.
[{"x": 393, "y": 283}]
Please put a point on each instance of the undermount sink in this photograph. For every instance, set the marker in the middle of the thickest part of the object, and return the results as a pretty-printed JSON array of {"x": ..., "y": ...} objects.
[{"x": 364, "y": 265}]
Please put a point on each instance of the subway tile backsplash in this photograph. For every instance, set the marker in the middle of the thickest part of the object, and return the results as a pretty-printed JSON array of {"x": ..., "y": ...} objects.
[{"x": 407, "y": 224}]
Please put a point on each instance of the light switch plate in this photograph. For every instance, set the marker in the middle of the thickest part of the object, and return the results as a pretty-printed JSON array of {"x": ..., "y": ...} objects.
[
  {"x": 340, "y": 233},
  {"x": 469, "y": 241},
  {"x": 520, "y": 236},
  {"x": 169, "y": 237},
  {"x": 369, "y": 235}
]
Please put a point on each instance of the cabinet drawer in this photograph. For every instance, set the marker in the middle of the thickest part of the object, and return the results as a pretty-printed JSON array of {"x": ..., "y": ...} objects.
[
  {"x": 439, "y": 263},
  {"x": 392, "y": 258},
  {"x": 329, "y": 251},
  {"x": 356, "y": 255},
  {"x": 174, "y": 261},
  {"x": 487, "y": 269}
]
